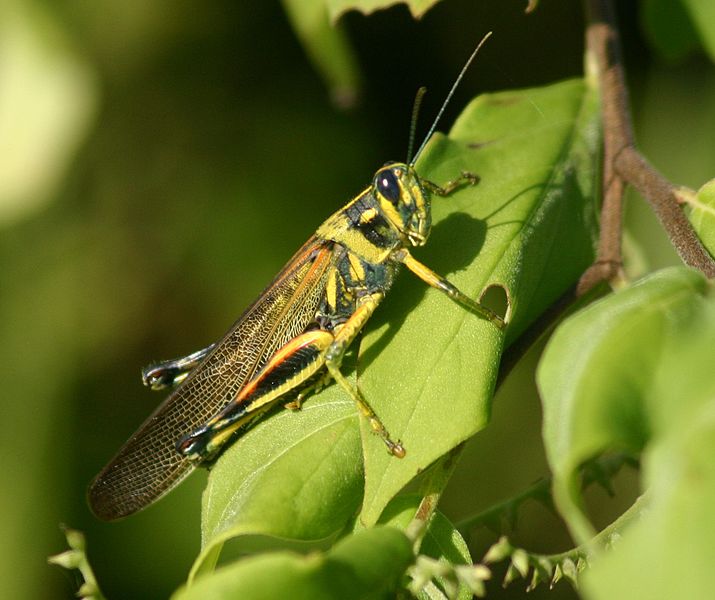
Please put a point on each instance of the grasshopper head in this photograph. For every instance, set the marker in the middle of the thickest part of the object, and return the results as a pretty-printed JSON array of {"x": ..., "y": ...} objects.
[{"x": 403, "y": 201}]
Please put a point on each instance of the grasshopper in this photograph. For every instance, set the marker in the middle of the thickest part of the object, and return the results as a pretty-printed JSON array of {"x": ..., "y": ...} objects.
[{"x": 289, "y": 341}]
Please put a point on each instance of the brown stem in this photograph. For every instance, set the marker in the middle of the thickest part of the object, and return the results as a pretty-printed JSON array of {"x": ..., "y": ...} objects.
[
  {"x": 439, "y": 476},
  {"x": 622, "y": 163},
  {"x": 663, "y": 197}
]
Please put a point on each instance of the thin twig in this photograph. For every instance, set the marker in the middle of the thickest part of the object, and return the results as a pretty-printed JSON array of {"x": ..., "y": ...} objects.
[
  {"x": 664, "y": 198},
  {"x": 431, "y": 491},
  {"x": 604, "y": 53},
  {"x": 540, "y": 490},
  {"x": 623, "y": 164}
]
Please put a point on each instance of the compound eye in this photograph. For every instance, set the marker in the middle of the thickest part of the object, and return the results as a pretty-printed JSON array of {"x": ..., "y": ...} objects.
[{"x": 388, "y": 186}]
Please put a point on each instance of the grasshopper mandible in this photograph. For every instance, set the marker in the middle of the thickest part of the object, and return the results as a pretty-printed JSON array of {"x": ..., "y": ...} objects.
[{"x": 289, "y": 340}]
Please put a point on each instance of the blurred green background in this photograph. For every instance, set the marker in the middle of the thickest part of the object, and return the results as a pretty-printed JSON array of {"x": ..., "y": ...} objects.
[{"x": 158, "y": 164}]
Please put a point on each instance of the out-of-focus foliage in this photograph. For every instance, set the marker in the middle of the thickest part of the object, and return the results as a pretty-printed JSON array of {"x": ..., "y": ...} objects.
[
  {"x": 340, "y": 7},
  {"x": 669, "y": 28},
  {"x": 48, "y": 96},
  {"x": 418, "y": 8},
  {"x": 702, "y": 12},
  {"x": 328, "y": 47},
  {"x": 160, "y": 161},
  {"x": 678, "y": 27},
  {"x": 654, "y": 340},
  {"x": 632, "y": 336}
]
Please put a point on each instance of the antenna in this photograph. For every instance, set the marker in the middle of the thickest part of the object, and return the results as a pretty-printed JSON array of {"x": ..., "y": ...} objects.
[
  {"x": 413, "y": 120},
  {"x": 447, "y": 99}
]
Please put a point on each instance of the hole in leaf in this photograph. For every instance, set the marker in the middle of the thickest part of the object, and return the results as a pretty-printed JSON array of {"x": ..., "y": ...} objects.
[{"x": 496, "y": 298}]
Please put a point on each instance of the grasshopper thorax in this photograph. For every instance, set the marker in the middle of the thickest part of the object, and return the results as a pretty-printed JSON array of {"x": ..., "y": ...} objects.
[{"x": 403, "y": 201}]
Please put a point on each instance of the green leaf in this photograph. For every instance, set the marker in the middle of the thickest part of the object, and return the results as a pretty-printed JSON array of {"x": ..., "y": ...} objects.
[
  {"x": 702, "y": 13},
  {"x": 427, "y": 366},
  {"x": 295, "y": 475},
  {"x": 668, "y": 552},
  {"x": 365, "y": 565},
  {"x": 299, "y": 475},
  {"x": 702, "y": 216},
  {"x": 328, "y": 48},
  {"x": 598, "y": 372},
  {"x": 417, "y": 7}
]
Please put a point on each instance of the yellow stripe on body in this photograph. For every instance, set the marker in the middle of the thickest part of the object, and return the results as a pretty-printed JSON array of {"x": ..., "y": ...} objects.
[
  {"x": 357, "y": 270},
  {"x": 358, "y": 244},
  {"x": 340, "y": 229},
  {"x": 331, "y": 288},
  {"x": 368, "y": 215},
  {"x": 318, "y": 338},
  {"x": 393, "y": 216}
]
